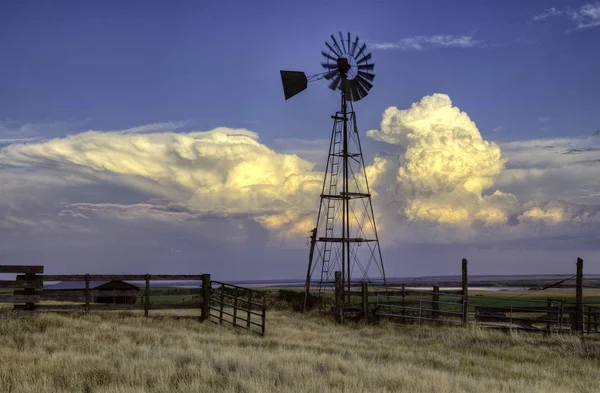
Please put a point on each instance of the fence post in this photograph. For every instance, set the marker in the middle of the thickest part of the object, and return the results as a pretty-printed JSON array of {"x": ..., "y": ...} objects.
[
  {"x": 248, "y": 309},
  {"x": 365, "y": 301},
  {"x": 465, "y": 292},
  {"x": 87, "y": 293},
  {"x": 205, "y": 311},
  {"x": 339, "y": 297},
  {"x": 579, "y": 296},
  {"x": 147, "y": 296},
  {"x": 436, "y": 302},
  {"x": 403, "y": 303},
  {"x": 589, "y": 321},
  {"x": 235, "y": 303},
  {"x": 420, "y": 306},
  {"x": 30, "y": 278},
  {"x": 264, "y": 314},
  {"x": 222, "y": 301},
  {"x": 560, "y": 315},
  {"x": 549, "y": 307}
]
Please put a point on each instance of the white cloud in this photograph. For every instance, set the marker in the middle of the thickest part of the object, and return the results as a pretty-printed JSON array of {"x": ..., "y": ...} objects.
[
  {"x": 223, "y": 171},
  {"x": 428, "y": 42},
  {"x": 447, "y": 184},
  {"x": 588, "y": 15},
  {"x": 448, "y": 173}
]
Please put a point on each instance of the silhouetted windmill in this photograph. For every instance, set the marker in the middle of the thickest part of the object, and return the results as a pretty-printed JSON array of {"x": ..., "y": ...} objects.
[{"x": 345, "y": 237}]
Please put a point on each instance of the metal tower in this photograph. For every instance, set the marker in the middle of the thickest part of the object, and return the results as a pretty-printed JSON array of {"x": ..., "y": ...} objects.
[{"x": 345, "y": 238}]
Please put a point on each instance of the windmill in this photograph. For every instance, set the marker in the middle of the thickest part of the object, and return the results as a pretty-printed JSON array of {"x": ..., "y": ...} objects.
[{"x": 345, "y": 237}]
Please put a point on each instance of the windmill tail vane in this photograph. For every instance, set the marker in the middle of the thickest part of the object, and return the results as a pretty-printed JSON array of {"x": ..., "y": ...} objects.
[{"x": 345, "y": 236}]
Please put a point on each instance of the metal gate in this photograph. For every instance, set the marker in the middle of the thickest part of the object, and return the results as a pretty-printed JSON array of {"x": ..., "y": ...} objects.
[{"x": 238, "y": 306}]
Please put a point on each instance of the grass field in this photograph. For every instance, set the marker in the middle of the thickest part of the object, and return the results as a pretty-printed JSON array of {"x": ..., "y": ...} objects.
[{"x": 301, "y": 353}]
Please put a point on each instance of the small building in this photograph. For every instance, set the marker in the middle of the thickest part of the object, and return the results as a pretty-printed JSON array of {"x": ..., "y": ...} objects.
[{"x": 110, "y": 287}]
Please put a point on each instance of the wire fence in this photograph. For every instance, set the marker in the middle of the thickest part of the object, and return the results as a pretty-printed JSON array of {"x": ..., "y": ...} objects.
[{"x": 522, "y": 312}]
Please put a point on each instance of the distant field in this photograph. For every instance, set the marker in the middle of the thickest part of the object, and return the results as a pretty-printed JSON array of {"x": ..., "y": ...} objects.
[{"x": 301, "y": 353}]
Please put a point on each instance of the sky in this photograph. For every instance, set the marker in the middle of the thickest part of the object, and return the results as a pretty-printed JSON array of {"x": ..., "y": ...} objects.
[{"x": 154, "y": 137}]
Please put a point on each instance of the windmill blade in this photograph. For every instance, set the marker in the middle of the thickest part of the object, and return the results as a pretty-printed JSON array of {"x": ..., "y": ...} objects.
[
  {"x": 361, "y": 90},
  {"x": 364, "y": 83},
  {"x": 332, "y": 49},
  {"x": 333, "y": 85},
  {"x": 349, "y": 42},
  {"x": 355, "y": 94},
  {"x": 361, "y": 50},
  {"x": 366, "y": 66},
  {"x": 327, "y": 55},
  {"x": 354, "y": 45},
  {"x": 366, "y": 75},
  {"x": 342, "y": 42},
  {"x": 330, "y": 74},
  {"x": 365, "y": 58},
  {"x": 335, "y": 44},
  {"x": 329, "y": 66}
]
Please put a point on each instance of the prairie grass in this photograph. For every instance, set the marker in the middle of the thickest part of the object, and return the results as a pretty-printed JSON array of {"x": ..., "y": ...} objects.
[{"x": 124, "y": 353}]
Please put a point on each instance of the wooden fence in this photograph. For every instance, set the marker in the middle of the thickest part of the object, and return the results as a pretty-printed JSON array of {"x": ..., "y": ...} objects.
[
  {"x": 28, "y": 294},
  {"x": 435, "y": 306},
  {"x": 420, "y": 306}
]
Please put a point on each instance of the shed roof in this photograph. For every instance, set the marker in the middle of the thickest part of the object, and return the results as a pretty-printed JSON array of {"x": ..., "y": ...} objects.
[{"x": 78, "y": 285}]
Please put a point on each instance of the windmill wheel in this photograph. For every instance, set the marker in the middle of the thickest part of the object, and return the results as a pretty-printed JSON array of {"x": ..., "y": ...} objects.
[{"x": 348, "y": 67}]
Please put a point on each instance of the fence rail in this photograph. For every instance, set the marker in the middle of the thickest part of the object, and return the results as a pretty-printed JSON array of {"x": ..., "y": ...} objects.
[
  {"x": 235, "y": 305},
  {"x": 406, "y": 306}
]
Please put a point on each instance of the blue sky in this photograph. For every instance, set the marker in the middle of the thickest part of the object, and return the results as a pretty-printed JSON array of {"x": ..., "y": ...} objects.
[
  {"x": 116, "y": 65},
  {"x": 524, "y": 72}
]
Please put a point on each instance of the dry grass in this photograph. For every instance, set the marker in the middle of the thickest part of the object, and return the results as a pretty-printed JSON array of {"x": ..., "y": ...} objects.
[{"x": 116, "y": 353}]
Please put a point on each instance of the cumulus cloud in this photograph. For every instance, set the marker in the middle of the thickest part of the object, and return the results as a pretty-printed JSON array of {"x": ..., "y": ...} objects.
[
  {"x": 421, "y": 42},
  {"x": 223, "y": 171},
  {"x": 447, "y": 164},
  {"x": 588, "y": 15},
  {"x": 448, "y": 172}
]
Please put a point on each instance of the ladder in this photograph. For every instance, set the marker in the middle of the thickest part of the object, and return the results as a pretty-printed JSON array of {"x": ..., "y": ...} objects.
[{"x": 334, "y": 156}]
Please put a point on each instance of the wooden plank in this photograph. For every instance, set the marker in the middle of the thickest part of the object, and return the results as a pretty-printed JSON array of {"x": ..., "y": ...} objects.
[
  {"x": 183, "y": 291},
  {"x": 18, "y": 313},
  {"x": 175, "y": 306},
  {"x": 162, "y": 317},
  {"x": 19, "y": 298},
  {"x": 122, "y": 277},
  {"x": 225, "y": 285},
  {"x": 50, "y": 294},
  {"x": 223, "y": 294},
  {"x": 21, "y": 284},
  {"x": 38, "y": 269},
  {"x": 102, "y": 307}
]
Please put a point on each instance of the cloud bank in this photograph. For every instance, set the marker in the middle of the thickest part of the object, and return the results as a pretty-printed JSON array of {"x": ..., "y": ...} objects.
[
  {"x": 421, "y": 43},
  {"x": 223, "y": 195},
  {"x": 223, "y": 171}
]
